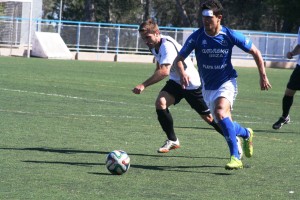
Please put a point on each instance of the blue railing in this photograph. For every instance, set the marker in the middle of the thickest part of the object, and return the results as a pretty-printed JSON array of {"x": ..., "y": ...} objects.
[{"x": 124, "y": 38}]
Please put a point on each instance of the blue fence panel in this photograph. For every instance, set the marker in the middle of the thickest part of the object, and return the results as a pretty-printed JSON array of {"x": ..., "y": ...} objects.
[{"x": 124, "y": 38}]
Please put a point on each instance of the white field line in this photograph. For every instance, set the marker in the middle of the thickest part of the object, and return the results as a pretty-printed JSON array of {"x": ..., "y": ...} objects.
[
  {"x": 66, "y": 96},
  {"x": 60, "y": 95},
  {"x": 251, "y": 120},
  {"x": 105, "y": 116},
  {"x": 69, "y": 115}
]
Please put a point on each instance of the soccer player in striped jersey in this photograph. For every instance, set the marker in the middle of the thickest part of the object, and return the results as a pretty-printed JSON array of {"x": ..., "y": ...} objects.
[{"x": 213, "y": 45}]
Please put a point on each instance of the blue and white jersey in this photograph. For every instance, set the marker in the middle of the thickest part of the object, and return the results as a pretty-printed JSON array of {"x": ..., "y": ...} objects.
[
  {"x": 213, "y": 54},
  {"x": 167, "y": 53}
]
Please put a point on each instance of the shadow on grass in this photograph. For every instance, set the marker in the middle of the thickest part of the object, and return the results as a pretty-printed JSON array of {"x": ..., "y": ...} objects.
[
  {"x": 255, "y": 131},
  {"x": 183, "y": 169},
  {"x": 194, "y": 127},
  {"x": 144, "y": 167},
  {"x": 52, "y": 150},
  {"x": 74, "y": 151},
  {"x": 274, "y": 131}
]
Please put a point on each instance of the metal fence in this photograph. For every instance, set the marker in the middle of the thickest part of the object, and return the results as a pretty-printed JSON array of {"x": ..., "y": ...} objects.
[{"x": 124, "y": 38}]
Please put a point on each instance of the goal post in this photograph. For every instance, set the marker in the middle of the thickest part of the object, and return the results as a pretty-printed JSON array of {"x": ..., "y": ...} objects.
[{"x": 30, "y": 21}]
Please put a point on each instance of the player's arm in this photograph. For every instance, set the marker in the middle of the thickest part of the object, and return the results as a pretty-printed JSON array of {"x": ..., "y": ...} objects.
[
  {"x": 264, "y": 82},
  {"x": 294, "y": 52},
  {"x": 184, "y": 78},
  {"x": 161, "y": 72}
]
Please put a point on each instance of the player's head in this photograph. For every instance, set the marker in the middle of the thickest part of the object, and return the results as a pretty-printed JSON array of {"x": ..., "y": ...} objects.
[
  {"x": 149, "y": 32},
  {"x": 211, "y": 11},
  {"x": 149, "y": 26},
  {"x": 211, "y": 5}
]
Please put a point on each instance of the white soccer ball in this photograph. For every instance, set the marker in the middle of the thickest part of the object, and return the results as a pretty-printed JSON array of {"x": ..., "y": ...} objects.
[{"x": 117, "y": 162}]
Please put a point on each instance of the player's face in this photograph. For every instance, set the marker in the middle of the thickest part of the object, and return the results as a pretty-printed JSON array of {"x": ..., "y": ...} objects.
[
  {"x": 150, "y": 39},
  {"x": 211, "y": 23}
]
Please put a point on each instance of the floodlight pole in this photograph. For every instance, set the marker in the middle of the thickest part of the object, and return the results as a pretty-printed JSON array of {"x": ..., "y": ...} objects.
[{"x": 60, "y": 13}]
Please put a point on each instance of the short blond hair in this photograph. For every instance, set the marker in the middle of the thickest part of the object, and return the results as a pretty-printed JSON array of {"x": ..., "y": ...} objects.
[{"x": 149, "y": 26}]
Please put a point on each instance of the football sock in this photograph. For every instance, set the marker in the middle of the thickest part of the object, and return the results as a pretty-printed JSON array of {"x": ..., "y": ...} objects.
[
  {"x": 240, "y": 131},
  {"x": 216, "y": 127},
  {"x": 166, "y": 121},
  {"x": 287, "y": 102},
  {"x": 228, "y": 129}
]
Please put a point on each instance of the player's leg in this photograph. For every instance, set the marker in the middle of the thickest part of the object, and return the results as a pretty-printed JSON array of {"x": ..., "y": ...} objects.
[
  {"x": 223, "y": 115},
  {"x": 163, "y": 101},
  {"x": 220, "y": 102},
  {"x": 287, "y": 102},
  {"x": 210, "y": 120},
  {"x": 196, "y": 101},
  {"x": 247, "y": 135},
  {"x": 288, "y": 98}
]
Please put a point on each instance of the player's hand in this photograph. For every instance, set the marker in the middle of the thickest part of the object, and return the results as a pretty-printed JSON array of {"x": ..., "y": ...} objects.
[
  {"x": 184, "y": 80},
  {"x": 289, "y": 55},
  {"x": 138, "y": 89},
  {"x": 265, "y": 84}
]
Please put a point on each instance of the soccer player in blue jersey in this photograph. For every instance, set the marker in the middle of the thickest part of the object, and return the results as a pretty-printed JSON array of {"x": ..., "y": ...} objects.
[
  {"x": 165, "y": 49},
  {"x": 213, "y": 45}
]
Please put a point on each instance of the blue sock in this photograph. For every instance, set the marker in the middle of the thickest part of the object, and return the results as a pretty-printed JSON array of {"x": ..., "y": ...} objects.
[
  {"x": 240, "y": 131},
  {"x": 229, "y": 132}
]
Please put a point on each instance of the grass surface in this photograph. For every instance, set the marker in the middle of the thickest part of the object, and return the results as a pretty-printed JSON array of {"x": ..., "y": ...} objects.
[{"x": 59, "y": 119}]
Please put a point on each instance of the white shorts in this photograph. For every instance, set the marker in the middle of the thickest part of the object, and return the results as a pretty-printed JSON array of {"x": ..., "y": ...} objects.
[{"x": 228, "y": 90}]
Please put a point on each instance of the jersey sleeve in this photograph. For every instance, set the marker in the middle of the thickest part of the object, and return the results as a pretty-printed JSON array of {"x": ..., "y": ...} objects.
[
  {"x": 168, "y": 54},
  {"x": 188, "y": 46},
  {"x": 241, "y": 41}
]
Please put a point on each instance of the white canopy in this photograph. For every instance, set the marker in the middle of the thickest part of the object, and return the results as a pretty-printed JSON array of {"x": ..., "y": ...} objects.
[{"x": 30, "y": 21}]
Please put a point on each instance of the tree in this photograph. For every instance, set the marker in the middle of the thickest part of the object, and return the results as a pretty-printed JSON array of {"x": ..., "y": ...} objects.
[
  {"x": 89, "y": 10},
  {"x": 287, "y": 15},
  {"x": 146, "y": 5},
  {"x": 260, "y": 15},
  {"x": 182, "y": 13}
]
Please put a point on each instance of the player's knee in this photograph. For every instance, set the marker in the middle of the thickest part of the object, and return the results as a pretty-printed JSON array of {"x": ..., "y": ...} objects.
[
  {"x": 160, "y": 104},
  {"x": 289, "y": 92},
  {"x": 207, "y": 118},
  {"x": 220, "y": 114}
]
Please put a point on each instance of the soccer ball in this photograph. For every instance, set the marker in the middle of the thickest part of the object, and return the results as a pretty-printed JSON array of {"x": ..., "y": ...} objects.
[{"x": 117, "y": 162}]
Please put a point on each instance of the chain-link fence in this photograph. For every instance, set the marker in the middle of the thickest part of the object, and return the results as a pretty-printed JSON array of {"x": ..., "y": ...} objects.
[{"x": 124, "y": 38}]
